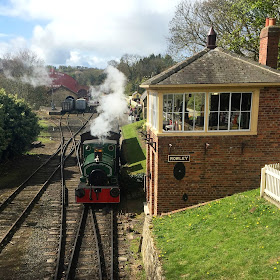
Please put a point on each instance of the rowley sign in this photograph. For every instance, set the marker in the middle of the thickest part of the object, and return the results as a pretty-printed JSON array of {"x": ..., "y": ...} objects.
[{"x": 179, "y": 158}]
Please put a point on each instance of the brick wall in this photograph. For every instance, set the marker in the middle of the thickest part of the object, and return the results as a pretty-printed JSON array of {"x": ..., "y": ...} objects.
[{"x": 229, "y": 165}]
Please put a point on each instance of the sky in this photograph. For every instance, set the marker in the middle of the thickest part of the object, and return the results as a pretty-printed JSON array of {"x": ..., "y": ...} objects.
[{"x": 85, "y": 32}]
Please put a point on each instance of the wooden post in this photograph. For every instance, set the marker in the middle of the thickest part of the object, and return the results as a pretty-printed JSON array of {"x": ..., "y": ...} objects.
[{"x": 262, "y": 188}]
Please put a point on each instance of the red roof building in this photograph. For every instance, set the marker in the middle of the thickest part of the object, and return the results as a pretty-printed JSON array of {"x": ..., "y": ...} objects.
[{"x": 61, "y": 79}]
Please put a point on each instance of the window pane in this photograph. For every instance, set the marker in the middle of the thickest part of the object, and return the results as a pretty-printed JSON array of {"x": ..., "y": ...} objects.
[
  {"x": 167, "y": 103},
  {"x": 223, "y": 121},
  {"x": 189, "y": 100},
  {"x": 214, "y": 102},
  {"x": 199, "y": 121},
  {"x": 245, "y": 120},
  {"x": 154, "y": 112},
  {"x": 177, "y": 117},
  {"x": 199, "y": 101},
  {"x": 198, "y": 117},
  {"x": 234, "y": 121},
  {"x": 235, "y": 101},
  {"x": 167, "y": 109},
  {"x": 168, "y": 125},
  {"x": 224, "y": 101},
  {"x": 246, "y": 102},
  {"x": 213, "y": 121},
  {"x": 178, "y": 103}
]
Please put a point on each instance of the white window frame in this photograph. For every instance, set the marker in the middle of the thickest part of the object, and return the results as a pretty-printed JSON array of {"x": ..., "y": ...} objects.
[
  {"x": 183, "y": 110},
  {"x": 229, "y": 112},
  {"x": 153, "y": 110}
]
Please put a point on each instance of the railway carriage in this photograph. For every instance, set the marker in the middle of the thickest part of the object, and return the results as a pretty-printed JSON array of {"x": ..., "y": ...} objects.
[{"x": 99, "y": 182}]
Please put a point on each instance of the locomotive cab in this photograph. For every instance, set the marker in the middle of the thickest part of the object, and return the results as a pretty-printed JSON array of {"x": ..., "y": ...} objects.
[{"x": 100, "y": 172}]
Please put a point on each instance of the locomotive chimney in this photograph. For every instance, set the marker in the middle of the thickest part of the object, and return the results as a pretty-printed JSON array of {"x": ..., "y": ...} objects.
[
  {"x": 211, "y": 39},
  {"x": 269, "y": 39}
]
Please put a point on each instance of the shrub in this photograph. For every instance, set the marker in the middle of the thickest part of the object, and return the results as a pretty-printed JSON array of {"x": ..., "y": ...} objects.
[{"x": 18, "y": 125}]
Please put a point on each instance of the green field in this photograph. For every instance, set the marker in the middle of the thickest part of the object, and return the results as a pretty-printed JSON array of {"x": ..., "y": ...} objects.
[{"x": 233, "y": 238}]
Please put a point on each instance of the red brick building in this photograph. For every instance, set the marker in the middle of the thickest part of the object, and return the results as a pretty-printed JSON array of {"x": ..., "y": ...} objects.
[
  {"x": 213, "y": 122},
  {"x": 65, "y": 81}
]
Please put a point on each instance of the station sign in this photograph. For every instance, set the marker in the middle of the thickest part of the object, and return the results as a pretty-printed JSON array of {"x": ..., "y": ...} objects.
[{"x": 179, "y": 158}]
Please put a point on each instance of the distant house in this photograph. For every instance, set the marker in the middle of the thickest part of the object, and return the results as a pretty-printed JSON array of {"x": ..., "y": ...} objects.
[
  {"x": 213, "y": 122},
  {"x": 58, "y": 94},
  {"x": 67, "y": 85},
  {"x": 136, "y": 96}
]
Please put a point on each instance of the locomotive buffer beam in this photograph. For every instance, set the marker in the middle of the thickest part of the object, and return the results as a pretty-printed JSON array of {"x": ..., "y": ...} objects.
[{"x": 96, "y": 190}]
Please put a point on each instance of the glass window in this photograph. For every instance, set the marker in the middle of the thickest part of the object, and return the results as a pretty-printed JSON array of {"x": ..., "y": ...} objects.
[
  {"x": 183, "y": 112},
  {"x": 229, "y": 111},
  {"x": 153, "y": 120}
]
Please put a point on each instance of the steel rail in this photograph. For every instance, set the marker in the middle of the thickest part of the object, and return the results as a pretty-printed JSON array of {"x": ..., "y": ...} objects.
[
  {"x": 10, "y": 232},
  {"x": 62, "y": 235},
  {"x": 70, "y": 273},
  {"x": 25, "y": 212},
  {"x": 95, "y": 229},
  {"x": 112, "y": 245},
  {"x": 75, "y": 146},
  {"x": 23, "y": 185},
  {"x": 62, "y": 230}
]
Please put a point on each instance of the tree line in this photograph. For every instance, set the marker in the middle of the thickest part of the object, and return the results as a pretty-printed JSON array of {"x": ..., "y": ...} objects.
[{"x": 137, "y": 69}]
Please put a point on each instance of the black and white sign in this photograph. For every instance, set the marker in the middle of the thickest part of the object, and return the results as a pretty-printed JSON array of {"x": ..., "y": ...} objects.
[{"x": 179, "y": 158}]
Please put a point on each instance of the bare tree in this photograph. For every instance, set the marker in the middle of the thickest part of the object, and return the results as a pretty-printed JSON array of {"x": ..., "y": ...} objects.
[
  {"x": 237, "y": 23},
  {"x": 25, "y": 66}
]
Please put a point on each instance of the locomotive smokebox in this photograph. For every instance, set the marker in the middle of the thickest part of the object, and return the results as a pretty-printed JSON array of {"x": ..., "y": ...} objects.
[{"x": 98, "y": 177}]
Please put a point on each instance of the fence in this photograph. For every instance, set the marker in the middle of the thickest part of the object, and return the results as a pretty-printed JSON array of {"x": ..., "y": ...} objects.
[{"x": 270, "y": 182}]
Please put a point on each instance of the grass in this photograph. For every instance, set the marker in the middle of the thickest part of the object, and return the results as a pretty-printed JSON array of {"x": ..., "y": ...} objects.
[
  {"x": 44, "y": 135},
  {"x": 234, "y": 238},
  {"x": 134, "y": 152}
]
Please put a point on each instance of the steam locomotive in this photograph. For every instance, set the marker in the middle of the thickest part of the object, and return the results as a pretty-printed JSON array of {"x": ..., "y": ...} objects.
[{"x": 99, "y": 182}]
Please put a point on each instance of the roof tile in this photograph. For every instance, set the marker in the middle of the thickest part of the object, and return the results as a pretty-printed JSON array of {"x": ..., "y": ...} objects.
[{"x": 215, "y": 67}]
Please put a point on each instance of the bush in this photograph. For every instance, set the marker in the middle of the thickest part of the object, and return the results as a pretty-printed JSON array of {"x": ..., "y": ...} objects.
[{"x": 18, "y": 126}]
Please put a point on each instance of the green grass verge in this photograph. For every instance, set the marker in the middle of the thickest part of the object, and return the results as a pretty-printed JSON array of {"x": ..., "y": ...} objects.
[
  {"x": 134, "y": 152},
  {"x": 234, "y": 238},
  {"x": 44, "y": 135}
]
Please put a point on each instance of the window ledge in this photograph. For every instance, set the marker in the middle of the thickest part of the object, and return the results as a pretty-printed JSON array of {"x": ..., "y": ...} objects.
[{"x": 208, "y": 133}]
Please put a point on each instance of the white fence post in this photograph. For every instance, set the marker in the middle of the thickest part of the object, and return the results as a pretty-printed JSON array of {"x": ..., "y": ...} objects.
[
  {"x": 263, "y": 179},
  {"x": 270, "y": 183}
]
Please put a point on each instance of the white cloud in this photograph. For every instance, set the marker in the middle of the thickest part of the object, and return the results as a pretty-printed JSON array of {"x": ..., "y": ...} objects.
[
  {"x": 91, "y": 31},
  {"x": 13, "y": 45}
]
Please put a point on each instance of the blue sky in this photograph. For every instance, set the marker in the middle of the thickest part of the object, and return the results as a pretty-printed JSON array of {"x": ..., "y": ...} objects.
[{"x": 85, "y": 32}]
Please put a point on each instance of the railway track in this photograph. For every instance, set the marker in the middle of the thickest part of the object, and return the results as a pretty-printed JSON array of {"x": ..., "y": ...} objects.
[
  {"x": 72, "y": 261},
  {"x": 93, "y": 249},
  {"x": 69, "y": 248},
  {"x": 16, "y": 208}
]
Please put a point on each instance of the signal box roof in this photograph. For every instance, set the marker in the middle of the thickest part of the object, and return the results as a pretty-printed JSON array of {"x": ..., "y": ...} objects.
[{"x": 215, "y": 66}]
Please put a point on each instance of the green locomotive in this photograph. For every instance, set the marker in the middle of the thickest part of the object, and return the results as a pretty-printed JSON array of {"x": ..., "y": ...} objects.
[{"x": 99, "y": 182}]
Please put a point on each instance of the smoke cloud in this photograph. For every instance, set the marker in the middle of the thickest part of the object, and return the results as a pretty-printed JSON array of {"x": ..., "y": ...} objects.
[
  {"x": 25, "y": 67},
  {"x": 112, "y": 103}
]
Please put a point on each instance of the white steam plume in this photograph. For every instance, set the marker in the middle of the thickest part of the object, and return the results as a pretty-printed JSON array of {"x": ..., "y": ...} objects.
[
  {"x": 112, "y": 103},
  {"x": 25, "y": 67}
]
